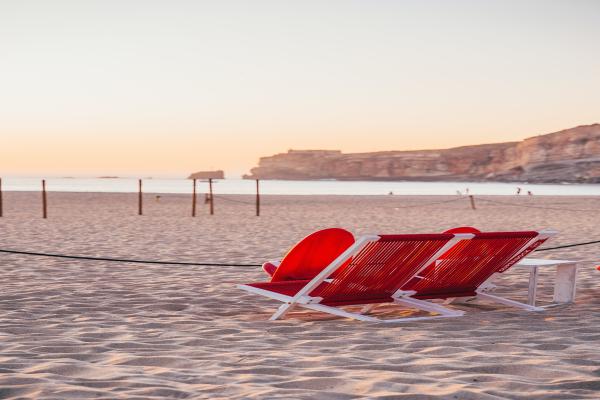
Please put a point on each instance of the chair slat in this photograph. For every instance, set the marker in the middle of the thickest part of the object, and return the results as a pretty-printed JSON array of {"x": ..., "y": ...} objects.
[
  {"x": 470, "y": 263},
  {"x": 382, "y": 267}
]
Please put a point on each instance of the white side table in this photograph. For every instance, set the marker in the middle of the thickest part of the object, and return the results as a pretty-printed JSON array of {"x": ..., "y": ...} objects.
[{"x": 565, "y": 279}]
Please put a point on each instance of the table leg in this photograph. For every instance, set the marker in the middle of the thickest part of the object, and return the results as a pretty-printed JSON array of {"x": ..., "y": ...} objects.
[
  {"x": 565, "y": 283},
  {"x": 533, "y": 278}
]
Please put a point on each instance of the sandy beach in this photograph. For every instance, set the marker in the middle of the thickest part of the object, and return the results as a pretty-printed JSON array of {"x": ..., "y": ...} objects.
[{"x": 73, "y": 329}]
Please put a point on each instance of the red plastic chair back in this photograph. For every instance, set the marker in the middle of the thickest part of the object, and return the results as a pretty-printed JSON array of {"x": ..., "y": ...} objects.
[
  {"x": 461, "y": 270},
  {"x": 463, "y": 229},
  {"x": 312, "y": 254}
]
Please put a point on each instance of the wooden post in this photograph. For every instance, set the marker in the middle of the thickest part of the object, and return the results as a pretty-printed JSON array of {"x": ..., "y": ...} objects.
[
  {"x": 257, "y": 200},
  {"x": 1, "y": 210},
  {"x": 44, "y": 200},
  {"x": 472, "y": 201},
  {"x": 194, "y": 199},
  {"x": 139, "y": 197},
  {"x": 212, "y": 198}
]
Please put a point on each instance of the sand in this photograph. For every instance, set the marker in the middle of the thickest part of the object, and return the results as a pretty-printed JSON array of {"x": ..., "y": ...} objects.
[{"x": 80, "y": 329}]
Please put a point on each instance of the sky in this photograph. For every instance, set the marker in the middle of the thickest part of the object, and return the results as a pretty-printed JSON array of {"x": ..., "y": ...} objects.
[{"x": 164, "y": 88}]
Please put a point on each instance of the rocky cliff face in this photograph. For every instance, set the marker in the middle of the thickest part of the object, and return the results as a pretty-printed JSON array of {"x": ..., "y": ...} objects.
[
  {"x": 207, "y": 175},
  {"x": 571, "y": 155}
]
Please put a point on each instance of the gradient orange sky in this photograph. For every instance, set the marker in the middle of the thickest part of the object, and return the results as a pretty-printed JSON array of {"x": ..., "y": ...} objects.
[{"x": 164, "y": 88}]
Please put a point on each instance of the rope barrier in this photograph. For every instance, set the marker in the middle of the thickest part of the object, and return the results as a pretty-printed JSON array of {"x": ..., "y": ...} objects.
[
  {"x": 205, "y": 264},
  {"x": 409, "y": 206},
  {"x": 427, "y": 204},
  {"x": 530, "y": 206},
  {"x": 568, "y": 245},
  {"x": 126, "y": 260},
  {"x": 233, "y": 200},
  {"x": 445, "y": 202}
]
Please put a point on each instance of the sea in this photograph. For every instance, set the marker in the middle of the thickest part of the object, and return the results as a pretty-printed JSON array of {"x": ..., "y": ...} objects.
[{"x": 296, "y": 187}]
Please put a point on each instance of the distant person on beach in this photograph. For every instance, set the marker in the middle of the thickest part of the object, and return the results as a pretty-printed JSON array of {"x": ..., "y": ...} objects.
[
  {"x": 529, "y": 193},
  {"x": 518, "y": 190}
]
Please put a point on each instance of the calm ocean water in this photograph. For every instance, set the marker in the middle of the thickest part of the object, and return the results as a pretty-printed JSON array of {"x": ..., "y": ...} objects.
[{"x": 240, "y": 186}]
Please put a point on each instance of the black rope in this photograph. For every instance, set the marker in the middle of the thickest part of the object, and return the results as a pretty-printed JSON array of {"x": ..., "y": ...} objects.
[
  {"x": 427, "y": 204},
  {"x": 539, "y": 207},
  {"x": 568, "y": 245},
  {"x": 407, "y": 206},
  {"x": 206, "y": 264},
  {"x": 126, "y": 260},
  {"x": 232, "y": 200}
]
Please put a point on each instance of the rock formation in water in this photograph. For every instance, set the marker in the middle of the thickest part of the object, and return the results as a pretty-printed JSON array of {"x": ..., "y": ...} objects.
[
  {"x": 571, "y": 155},
  {"x": 207, "y": 175}
]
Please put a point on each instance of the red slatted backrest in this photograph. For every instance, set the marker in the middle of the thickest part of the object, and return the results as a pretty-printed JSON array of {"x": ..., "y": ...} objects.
[
  {"x": 471, "y": 262},
  {"x": 382, "y": 267}
]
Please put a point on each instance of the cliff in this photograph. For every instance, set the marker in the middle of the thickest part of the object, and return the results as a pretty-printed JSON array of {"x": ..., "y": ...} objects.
[
  {"x": 207, "y": 174},
  {"x": 571, "y": 155}
]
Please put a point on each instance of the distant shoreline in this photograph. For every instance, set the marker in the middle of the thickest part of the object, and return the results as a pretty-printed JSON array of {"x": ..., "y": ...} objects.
[
  {"x": 228, "y": 187},
  {"x": 420, "y": 179}
]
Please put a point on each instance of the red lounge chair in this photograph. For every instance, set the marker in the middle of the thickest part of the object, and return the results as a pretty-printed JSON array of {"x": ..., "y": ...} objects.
[{"x": 408, "y": 270}]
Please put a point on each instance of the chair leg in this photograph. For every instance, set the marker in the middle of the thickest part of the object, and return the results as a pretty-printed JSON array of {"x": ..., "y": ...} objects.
[
  {"x": 412, "y": 303},
  {"x": 368, "y": 308},
  {"x": 512, "y": 303},
  {"x": 428, "y": 306},
  {"x": 339, "y": 312},
  {"x": 282, "y": 311},
  {"x": 342, "y": 313}
]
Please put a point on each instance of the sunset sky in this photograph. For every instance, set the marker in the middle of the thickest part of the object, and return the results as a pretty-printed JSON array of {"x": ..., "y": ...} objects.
[{"x": 164, "y": 88}]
